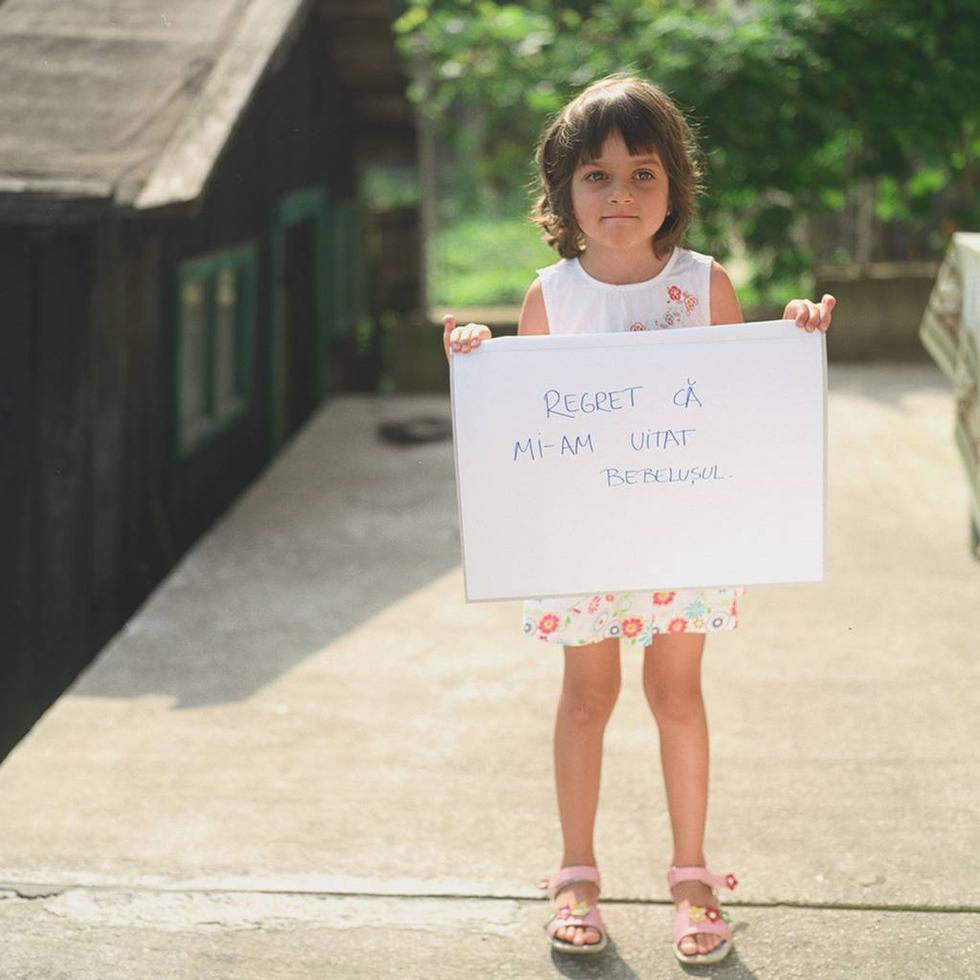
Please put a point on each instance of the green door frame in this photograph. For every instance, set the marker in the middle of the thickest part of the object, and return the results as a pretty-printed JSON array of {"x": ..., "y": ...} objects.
[{"x": 310, "y": 203}]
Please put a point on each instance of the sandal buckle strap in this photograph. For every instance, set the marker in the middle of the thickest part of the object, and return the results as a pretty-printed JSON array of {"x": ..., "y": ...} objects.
[
  {"x": 572, "y": 875},
  {"x": 702, "y": 874}
]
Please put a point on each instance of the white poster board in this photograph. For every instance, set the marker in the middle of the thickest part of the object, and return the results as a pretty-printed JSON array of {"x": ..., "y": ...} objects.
[{"x": 641, "y": 461}]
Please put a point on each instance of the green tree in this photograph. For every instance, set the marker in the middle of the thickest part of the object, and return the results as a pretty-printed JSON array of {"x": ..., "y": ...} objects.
[{"x": 798, "y": 104}]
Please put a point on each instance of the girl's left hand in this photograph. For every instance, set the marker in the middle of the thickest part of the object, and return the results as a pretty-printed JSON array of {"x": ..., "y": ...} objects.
[{"x": 809, "y": 315}]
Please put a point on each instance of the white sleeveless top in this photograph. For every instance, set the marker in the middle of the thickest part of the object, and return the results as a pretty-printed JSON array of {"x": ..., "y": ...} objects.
[{"x": 678, "y": 296}]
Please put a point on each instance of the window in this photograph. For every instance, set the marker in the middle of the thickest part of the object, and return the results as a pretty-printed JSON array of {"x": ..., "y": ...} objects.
[{"x": 215, "y": 327}]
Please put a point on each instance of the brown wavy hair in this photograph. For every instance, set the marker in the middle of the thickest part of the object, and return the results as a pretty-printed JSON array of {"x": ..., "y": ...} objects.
[{"x": 647, "y": 119}]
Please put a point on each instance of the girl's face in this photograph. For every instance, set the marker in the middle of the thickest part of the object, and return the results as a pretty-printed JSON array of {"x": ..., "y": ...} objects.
[{"x": 620, "y": 201}]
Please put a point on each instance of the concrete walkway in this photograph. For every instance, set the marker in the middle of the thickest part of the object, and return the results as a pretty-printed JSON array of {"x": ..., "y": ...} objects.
[{"x": 306, "y": 756}]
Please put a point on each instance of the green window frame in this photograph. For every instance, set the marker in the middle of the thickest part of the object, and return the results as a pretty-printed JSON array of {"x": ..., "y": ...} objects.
[{"x": 214, "y": 348}]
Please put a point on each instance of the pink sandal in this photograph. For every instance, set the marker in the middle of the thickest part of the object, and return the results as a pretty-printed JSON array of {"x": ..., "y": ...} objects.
[
  {"x": 580, "y": 914},
  {"x": 690, "y": 919}
]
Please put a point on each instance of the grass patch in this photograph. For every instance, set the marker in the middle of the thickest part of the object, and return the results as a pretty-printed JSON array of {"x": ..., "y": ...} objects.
[
  {"x": 485, "y": 261},
  {"x": 488, "y": 261}
]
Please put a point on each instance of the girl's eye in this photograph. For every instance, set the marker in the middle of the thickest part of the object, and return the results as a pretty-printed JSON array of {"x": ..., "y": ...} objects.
[{"x": 642, "y": 175}]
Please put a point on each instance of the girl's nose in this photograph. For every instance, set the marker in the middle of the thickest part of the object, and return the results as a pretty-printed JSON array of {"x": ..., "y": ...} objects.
[{"x": 619, "y": 192}]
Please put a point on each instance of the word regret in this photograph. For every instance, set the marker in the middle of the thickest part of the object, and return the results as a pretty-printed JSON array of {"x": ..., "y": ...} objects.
[{"x": 587, "y": 402}]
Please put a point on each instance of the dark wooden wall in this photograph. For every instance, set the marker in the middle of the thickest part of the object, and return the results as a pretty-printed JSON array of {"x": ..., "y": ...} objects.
[
  {"x": 17, "y": 483},
  {"x": 45, "y": 493},
  {"x": 95, "y": 507}
]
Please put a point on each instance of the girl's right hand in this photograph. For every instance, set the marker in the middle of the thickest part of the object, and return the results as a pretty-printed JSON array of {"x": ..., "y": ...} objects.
[{"x": 462, "y": 339}]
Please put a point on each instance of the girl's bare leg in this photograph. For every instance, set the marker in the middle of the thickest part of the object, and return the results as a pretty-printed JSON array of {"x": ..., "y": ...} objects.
[
  {"x": 672, "y": 684},
  {"x": 589, "y": 690}
]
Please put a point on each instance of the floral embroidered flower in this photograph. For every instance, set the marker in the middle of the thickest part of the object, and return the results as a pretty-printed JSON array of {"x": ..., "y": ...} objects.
[
  {"x": 610, "y": 597},
  {"x": 696, "y": 608},
  {"x": 731, "y": 880},
  {"x": 594, "y": 603},
  {"x": 663, "y": 598},
  {"x": 632, "y": 626},
  {"x": 696, "y": 913},
  {"x": 712, "y": 914},
  {"x": 690, "y": 301},
  {"x": 674, "y": 292},
  {"x": 637, "y": 326},
  {"x": 678, "y": 625},
  {"x": 698, "y": 623},
  {"x": 734, "y": 610},
  {"x": 549, "y": 623},
  {"x": 669, "y": 319}
]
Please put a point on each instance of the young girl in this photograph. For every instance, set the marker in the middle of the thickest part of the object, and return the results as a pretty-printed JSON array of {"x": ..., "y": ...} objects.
[{"x": 618, "y": 175}]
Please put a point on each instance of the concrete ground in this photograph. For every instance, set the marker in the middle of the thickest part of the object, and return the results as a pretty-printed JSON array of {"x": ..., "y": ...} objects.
[{"x": 307, "y": 756}]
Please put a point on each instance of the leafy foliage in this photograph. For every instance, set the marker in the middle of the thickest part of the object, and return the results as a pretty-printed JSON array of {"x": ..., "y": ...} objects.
[{"x": 796, "y": 101}]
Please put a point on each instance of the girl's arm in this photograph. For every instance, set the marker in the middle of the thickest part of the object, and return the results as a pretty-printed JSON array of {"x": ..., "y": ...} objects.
[
  {"x": 534, "y": 317},
  {"x": 725, "y": 307},
  {"x": 807, "y": 314}
]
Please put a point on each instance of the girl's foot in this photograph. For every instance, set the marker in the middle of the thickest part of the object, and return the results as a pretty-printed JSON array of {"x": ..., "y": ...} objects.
[
  {"x": 697, "y": 893},
  {"x": 581, "y": 891}
]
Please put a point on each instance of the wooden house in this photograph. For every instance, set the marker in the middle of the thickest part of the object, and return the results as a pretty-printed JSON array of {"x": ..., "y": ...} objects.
[{"x": 185, "y": 275}]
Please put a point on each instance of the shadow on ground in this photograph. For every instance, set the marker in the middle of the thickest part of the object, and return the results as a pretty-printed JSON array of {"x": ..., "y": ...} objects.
[{"x": 342, "y": 525}]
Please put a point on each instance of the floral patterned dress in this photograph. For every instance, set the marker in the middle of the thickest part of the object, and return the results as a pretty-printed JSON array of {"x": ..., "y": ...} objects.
[
  {"x": 633, "y": 616},
  {"x": 678, "y": 296}
]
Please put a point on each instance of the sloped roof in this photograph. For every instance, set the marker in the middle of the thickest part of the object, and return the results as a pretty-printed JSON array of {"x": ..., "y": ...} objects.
[{"x": 129, "y": 101}]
